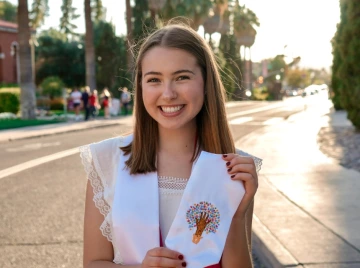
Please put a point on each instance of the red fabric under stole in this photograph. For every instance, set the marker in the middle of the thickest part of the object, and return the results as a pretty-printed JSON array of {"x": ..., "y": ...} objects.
[{"x": 211, "y": 266}]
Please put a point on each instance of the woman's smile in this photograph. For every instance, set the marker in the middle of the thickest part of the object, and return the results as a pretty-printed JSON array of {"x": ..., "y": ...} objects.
[{"x": 170, "y": 111}]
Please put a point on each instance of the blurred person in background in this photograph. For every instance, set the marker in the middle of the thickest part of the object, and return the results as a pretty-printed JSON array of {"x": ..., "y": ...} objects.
[
  {"x": 93, "y": 104},
  {"x": 125, "y": 100},
  {"x": 106, "y": 103},
  {"x": 85, "y": 102},
  {"x": 76, "y": 100}
]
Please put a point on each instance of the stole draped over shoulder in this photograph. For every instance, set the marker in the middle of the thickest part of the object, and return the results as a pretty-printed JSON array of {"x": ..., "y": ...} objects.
[{"x": 130, "y": 206}]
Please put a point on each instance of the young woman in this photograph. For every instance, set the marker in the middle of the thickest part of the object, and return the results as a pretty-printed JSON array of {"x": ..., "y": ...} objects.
[{"x": 139, "y": 183}]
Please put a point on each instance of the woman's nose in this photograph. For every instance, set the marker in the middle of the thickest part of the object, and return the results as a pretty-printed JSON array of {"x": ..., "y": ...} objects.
[{"x": 169, "y": 92}]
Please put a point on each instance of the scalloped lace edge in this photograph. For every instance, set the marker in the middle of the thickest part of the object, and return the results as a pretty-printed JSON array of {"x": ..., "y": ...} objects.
[
  {"x": 257, "y": 161},
  {"x": 100, "y": 203}
]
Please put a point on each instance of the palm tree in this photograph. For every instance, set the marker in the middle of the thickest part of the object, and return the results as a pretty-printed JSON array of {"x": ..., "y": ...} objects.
[
  {"x": 196, "y": 11},
  {"x": 89, "y": 48},
  {"x": 39, "y": 10},
  {"x": 27, "y": 96},
  {"x": 99, "y": 11},
  {"x": 129, "y": 35},
  {"x": 69, "y": 14}
]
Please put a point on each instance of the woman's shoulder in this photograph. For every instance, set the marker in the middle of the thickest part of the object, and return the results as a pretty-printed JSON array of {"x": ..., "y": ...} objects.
[
  {"x": 100, "y": 161},
  {"x": 112, "y": 144},
  {"x": 104, "y": 154}
]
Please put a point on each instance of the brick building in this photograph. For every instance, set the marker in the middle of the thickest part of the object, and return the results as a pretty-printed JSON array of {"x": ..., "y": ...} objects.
[{"x": 9, "y": 59}]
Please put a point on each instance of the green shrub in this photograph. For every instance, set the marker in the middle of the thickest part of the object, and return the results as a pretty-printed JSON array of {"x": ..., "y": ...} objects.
[
  {"x": 52, "y": 86},
  {"x": 346, "y": 47},
  {"x": 9, "y": 102},
  {"x": 8, "y": 85},
  {"x": 56, "y": 104},
  {"x": 260, "y": 93}
]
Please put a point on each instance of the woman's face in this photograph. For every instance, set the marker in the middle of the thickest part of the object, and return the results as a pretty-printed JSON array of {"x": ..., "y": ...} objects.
[{"x": 172, "y": 87}]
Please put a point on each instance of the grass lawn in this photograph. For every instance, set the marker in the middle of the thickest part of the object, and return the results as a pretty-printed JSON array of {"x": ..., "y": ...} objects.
[{"x": 18, "y": 123}]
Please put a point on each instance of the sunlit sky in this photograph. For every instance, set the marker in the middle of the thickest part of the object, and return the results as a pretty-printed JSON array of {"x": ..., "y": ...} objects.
[{"x": 305, "y": 27}]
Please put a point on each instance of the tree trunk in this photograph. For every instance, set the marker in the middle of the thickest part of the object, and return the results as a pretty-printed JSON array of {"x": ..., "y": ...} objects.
[
  {"x": 27, "y": 96},
  {"x": 130, "y": 61},
  {"x": 89, "y": 48}
]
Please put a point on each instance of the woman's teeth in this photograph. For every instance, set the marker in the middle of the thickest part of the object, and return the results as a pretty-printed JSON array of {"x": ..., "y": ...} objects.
[{"x": 172, "y": 109}]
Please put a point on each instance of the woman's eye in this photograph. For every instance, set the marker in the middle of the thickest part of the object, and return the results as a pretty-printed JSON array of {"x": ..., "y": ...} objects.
[
  {"x": 183, "y": 77},
  {"x": 153, "y": 80}
]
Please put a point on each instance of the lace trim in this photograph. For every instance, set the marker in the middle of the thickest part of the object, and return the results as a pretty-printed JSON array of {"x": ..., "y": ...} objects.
[
  {"x": 171, "y": 185},
  {"x": 98, "y": 188}
]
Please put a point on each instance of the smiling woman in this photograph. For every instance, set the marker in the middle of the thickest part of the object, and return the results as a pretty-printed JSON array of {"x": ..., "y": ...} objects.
[
  {"x": 173, "y": 193},
  {"x": 173, "y": 94}
]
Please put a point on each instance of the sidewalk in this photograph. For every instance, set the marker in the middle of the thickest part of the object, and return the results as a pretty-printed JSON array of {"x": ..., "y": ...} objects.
[
  {"x": 51, "y": 129},
  {"x": 307, "y": 209}
]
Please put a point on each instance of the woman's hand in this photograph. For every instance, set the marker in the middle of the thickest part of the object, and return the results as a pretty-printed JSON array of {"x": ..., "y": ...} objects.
[
  {"x": 163, "y": 257},
  {"x": 243, "y": 169}
]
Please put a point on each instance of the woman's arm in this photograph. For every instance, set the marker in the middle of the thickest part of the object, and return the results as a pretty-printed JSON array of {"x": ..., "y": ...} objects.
[
  {"x": 248, "y": 219},
  {"x": 237, "y": 251},
  {"x": 98, "y": 251}
]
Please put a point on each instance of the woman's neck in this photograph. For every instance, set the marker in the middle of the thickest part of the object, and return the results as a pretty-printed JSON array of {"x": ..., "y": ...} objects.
[{"x": 179, "y": 141}]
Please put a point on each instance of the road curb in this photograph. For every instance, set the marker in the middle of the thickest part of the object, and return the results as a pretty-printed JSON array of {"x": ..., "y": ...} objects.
[
  {"x": 268, "y": 249},
  {"x": 31, "y": 136}
]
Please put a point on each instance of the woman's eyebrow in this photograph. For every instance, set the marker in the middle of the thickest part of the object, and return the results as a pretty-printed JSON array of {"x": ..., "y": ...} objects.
[
  {"x": 177, "y": 72},
  {"x": 183, "y": 71}
]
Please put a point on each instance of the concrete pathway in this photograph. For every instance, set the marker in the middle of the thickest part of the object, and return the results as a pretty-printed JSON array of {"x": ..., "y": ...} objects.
[{"x": 307, "y": 209}]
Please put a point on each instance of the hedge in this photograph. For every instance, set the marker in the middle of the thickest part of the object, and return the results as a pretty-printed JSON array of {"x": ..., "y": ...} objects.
[{"x": 9, "y": 102}]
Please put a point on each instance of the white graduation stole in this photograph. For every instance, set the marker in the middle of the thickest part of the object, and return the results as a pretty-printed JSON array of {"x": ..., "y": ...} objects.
[{"x": 202, "y": 221}]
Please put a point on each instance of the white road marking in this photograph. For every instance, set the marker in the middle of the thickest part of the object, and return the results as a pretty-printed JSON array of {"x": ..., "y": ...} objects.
[
  {"x": 273, "y": 121},
  {"x": 36, "y": 162},
  {"x": 32, "y": 146},
  {"x": 240, "y": 120},
  {"x": 256, "y": 110}
]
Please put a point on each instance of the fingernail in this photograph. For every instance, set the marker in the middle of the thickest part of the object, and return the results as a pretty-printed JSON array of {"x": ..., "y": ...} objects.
[
  {"x": 232, "y": 176},
  {"x": 183, "y": 264},
  {"x": 228, "y": 163},
  {"x": 224, "y": 155},
  {"x": 229, "y": 169},
  {"x": 181, "y": 257}
]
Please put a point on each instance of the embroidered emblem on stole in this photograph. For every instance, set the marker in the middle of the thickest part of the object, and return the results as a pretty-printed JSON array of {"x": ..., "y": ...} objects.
[{"x": 203, "y": 216}]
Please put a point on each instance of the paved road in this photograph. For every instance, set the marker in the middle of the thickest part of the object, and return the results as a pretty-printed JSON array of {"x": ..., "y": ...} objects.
[{"x": 42, "y": 206}]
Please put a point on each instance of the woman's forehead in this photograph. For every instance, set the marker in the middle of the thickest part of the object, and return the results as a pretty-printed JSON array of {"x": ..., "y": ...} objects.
[{"x": 167, "y": 58}]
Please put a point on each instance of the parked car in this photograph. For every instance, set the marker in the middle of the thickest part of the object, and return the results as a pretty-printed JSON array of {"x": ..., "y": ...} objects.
[{"x": 310, "y": 90}]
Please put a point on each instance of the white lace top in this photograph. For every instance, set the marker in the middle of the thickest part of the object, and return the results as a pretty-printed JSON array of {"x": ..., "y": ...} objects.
[
  {"x": 100, "y": 162},
  {"x": 170, "y": 194}
]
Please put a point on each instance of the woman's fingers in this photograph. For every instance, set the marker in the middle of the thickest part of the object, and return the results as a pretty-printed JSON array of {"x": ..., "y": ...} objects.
[
  {"x": 165, "y": 262},
  {"x": 163, "y": 257},
  {"x": 247, "y": 168},
  {"x": 164, "y": 252}
]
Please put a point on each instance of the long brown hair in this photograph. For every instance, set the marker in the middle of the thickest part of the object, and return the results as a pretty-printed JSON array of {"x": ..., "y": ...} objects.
[{"x": 214, "y": 134}]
